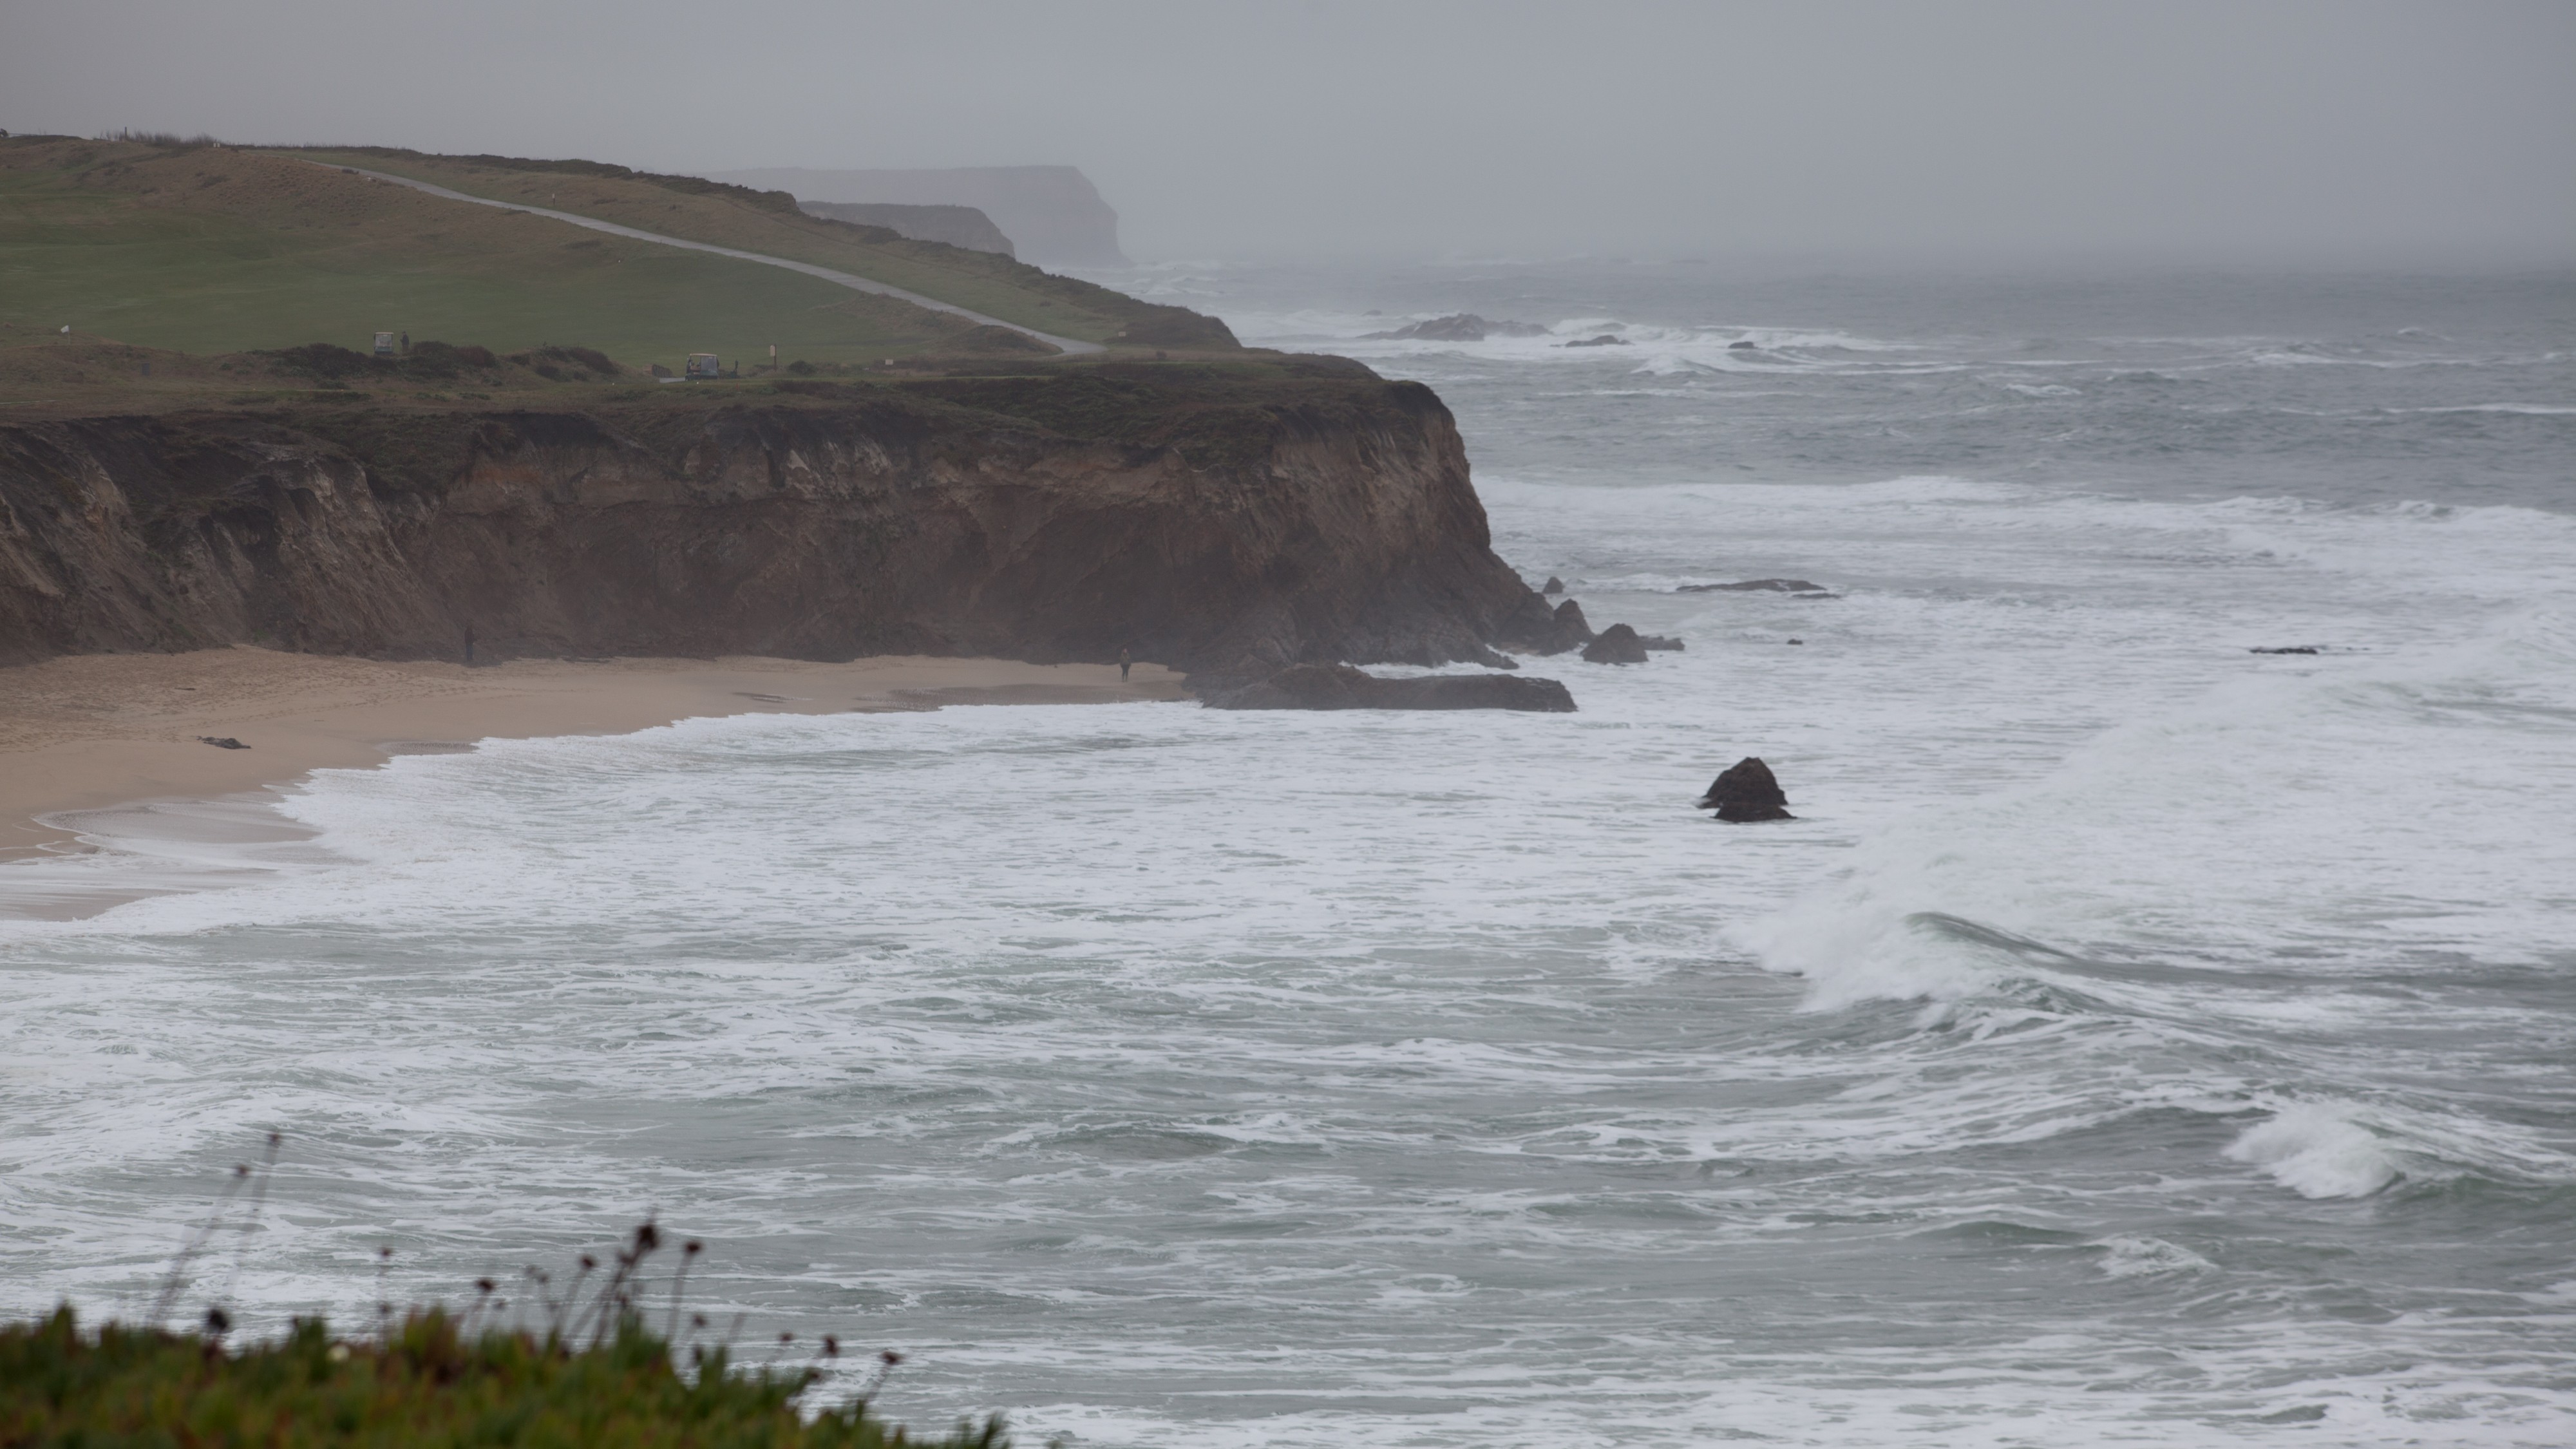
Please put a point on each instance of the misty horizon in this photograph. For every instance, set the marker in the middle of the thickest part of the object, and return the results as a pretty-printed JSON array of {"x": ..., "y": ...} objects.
[{"x": 2298, "y": 135}]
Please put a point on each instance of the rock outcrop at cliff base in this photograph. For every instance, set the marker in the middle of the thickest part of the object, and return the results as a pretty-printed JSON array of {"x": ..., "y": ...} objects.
[
  {"x": 1227, "y": 525},
  {"x": 1339, "y": 686}
]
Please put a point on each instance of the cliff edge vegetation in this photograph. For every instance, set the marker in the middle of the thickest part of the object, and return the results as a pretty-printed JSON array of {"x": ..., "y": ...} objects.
[{"x": 428, "y": 1382}]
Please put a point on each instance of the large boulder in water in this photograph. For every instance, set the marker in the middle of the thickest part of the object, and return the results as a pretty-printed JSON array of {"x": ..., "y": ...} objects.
[
  {"x": 1339, "y": 686},
  {"x": 1617, "y": 644},
  {"x": 1746, "y": 791}
]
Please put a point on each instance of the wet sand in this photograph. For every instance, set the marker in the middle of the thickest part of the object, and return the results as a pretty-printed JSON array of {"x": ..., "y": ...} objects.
[{"x": 97, "y": 731}]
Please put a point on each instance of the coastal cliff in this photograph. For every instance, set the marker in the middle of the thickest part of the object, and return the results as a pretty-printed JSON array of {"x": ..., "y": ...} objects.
[
  {"x": 1227, "y": 522},
  {"x": 956, "y": 226}
]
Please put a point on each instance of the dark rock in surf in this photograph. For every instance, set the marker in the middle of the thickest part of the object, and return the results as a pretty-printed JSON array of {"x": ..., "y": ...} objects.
[
  {"x": 1617, "y": 644},
  {"x": 1604, "y": 340},
  {"x": 1746, "y": 792},
  {"x": 1555, "y": 585},
  {"x": 1339, "y": 686},
  {"x": 2288, "y": 649},
  {"x": 1536, "y": 630},
  {"x": 1660, "y": 643},
  {"x": 1748, "y": 345},
  {"x": 1756, "y": 586}
]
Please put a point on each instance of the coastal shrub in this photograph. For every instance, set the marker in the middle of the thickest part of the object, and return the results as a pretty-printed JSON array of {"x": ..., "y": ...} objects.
[
  {"x": 440, "y": 359},
  {"x": 322, "y": 359},
  {"x": 167, "y": 140},
  {"x": 427, "y": 361},
  {"x": 426, "y": 1382},
  {"x": 1161, "y": 326},
  {"x": 559, "y": 364},
  {"x": 589, "y": 357}
]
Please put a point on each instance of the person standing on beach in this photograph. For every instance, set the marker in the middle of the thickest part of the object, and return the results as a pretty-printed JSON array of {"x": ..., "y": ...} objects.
[{"x": 1123, "y": 662}]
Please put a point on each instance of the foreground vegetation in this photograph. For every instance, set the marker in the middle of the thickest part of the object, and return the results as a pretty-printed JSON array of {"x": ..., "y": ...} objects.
[{"x": 424, "y": 1383}]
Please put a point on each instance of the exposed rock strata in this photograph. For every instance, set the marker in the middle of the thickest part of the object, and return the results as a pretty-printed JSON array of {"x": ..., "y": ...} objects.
[
  {"x": 1339, "y": 686},
  {"x": 1224, "y": 526}
]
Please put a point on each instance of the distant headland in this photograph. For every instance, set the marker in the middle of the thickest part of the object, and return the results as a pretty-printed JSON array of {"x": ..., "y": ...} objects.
[{"x": 1050, "y": 213}]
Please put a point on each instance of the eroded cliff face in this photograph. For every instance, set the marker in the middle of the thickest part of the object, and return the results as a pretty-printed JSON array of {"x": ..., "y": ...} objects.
[{"x": 1224, "y": 528}]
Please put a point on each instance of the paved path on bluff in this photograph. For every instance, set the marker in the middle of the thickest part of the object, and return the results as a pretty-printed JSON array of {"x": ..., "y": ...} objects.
[{"x": 847, "y": 279}]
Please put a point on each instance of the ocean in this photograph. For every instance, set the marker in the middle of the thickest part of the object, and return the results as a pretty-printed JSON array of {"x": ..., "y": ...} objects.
[{"x": 2136, "y": 1039}]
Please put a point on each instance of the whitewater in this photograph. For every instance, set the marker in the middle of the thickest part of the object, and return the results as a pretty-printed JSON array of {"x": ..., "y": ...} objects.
[{"x": 2136, "y": 1039}]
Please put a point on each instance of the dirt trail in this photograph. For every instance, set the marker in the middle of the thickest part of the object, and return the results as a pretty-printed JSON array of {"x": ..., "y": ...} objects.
[{"x": 851, "y": 280}]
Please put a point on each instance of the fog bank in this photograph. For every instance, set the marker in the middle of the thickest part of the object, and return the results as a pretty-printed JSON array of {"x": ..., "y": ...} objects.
[{"x": 2298, "y": 132}]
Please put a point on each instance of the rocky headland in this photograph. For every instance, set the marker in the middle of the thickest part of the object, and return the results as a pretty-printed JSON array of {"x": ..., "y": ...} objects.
[
  {"x": 1228, "y": 519},
  {"x": 957, "y": 226},
  {"x": 1053, "y": 213}
]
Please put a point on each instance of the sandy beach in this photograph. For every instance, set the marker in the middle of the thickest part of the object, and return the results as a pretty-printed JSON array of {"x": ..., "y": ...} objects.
[{"x": 91, "y": 732}]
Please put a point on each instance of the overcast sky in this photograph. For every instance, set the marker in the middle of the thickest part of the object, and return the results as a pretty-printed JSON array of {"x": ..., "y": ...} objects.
[{"x": 2340, "y": 132}]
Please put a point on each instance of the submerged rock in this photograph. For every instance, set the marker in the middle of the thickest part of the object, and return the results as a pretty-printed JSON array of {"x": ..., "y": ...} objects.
[
  {"x": 1747, "y": 345},
  {"x": 1755, "y": 586},
  {"x": 2287, "y": 649},
  {"x": 1746, "y": 792},
  {"x": 1617, "y": 644},
  {"x": 222, "y": 742},
  {"x": 1458, "y": 327},
  {"x": 1604, "y": 340},
  {"x": 1661, "y": 642},
  {"x": 1339, "y": 686}
]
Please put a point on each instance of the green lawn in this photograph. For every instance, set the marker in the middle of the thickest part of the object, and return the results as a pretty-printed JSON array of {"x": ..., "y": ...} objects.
[
  {"x": 987, "y": 282},
  {"x": 222, "y": 251}
]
